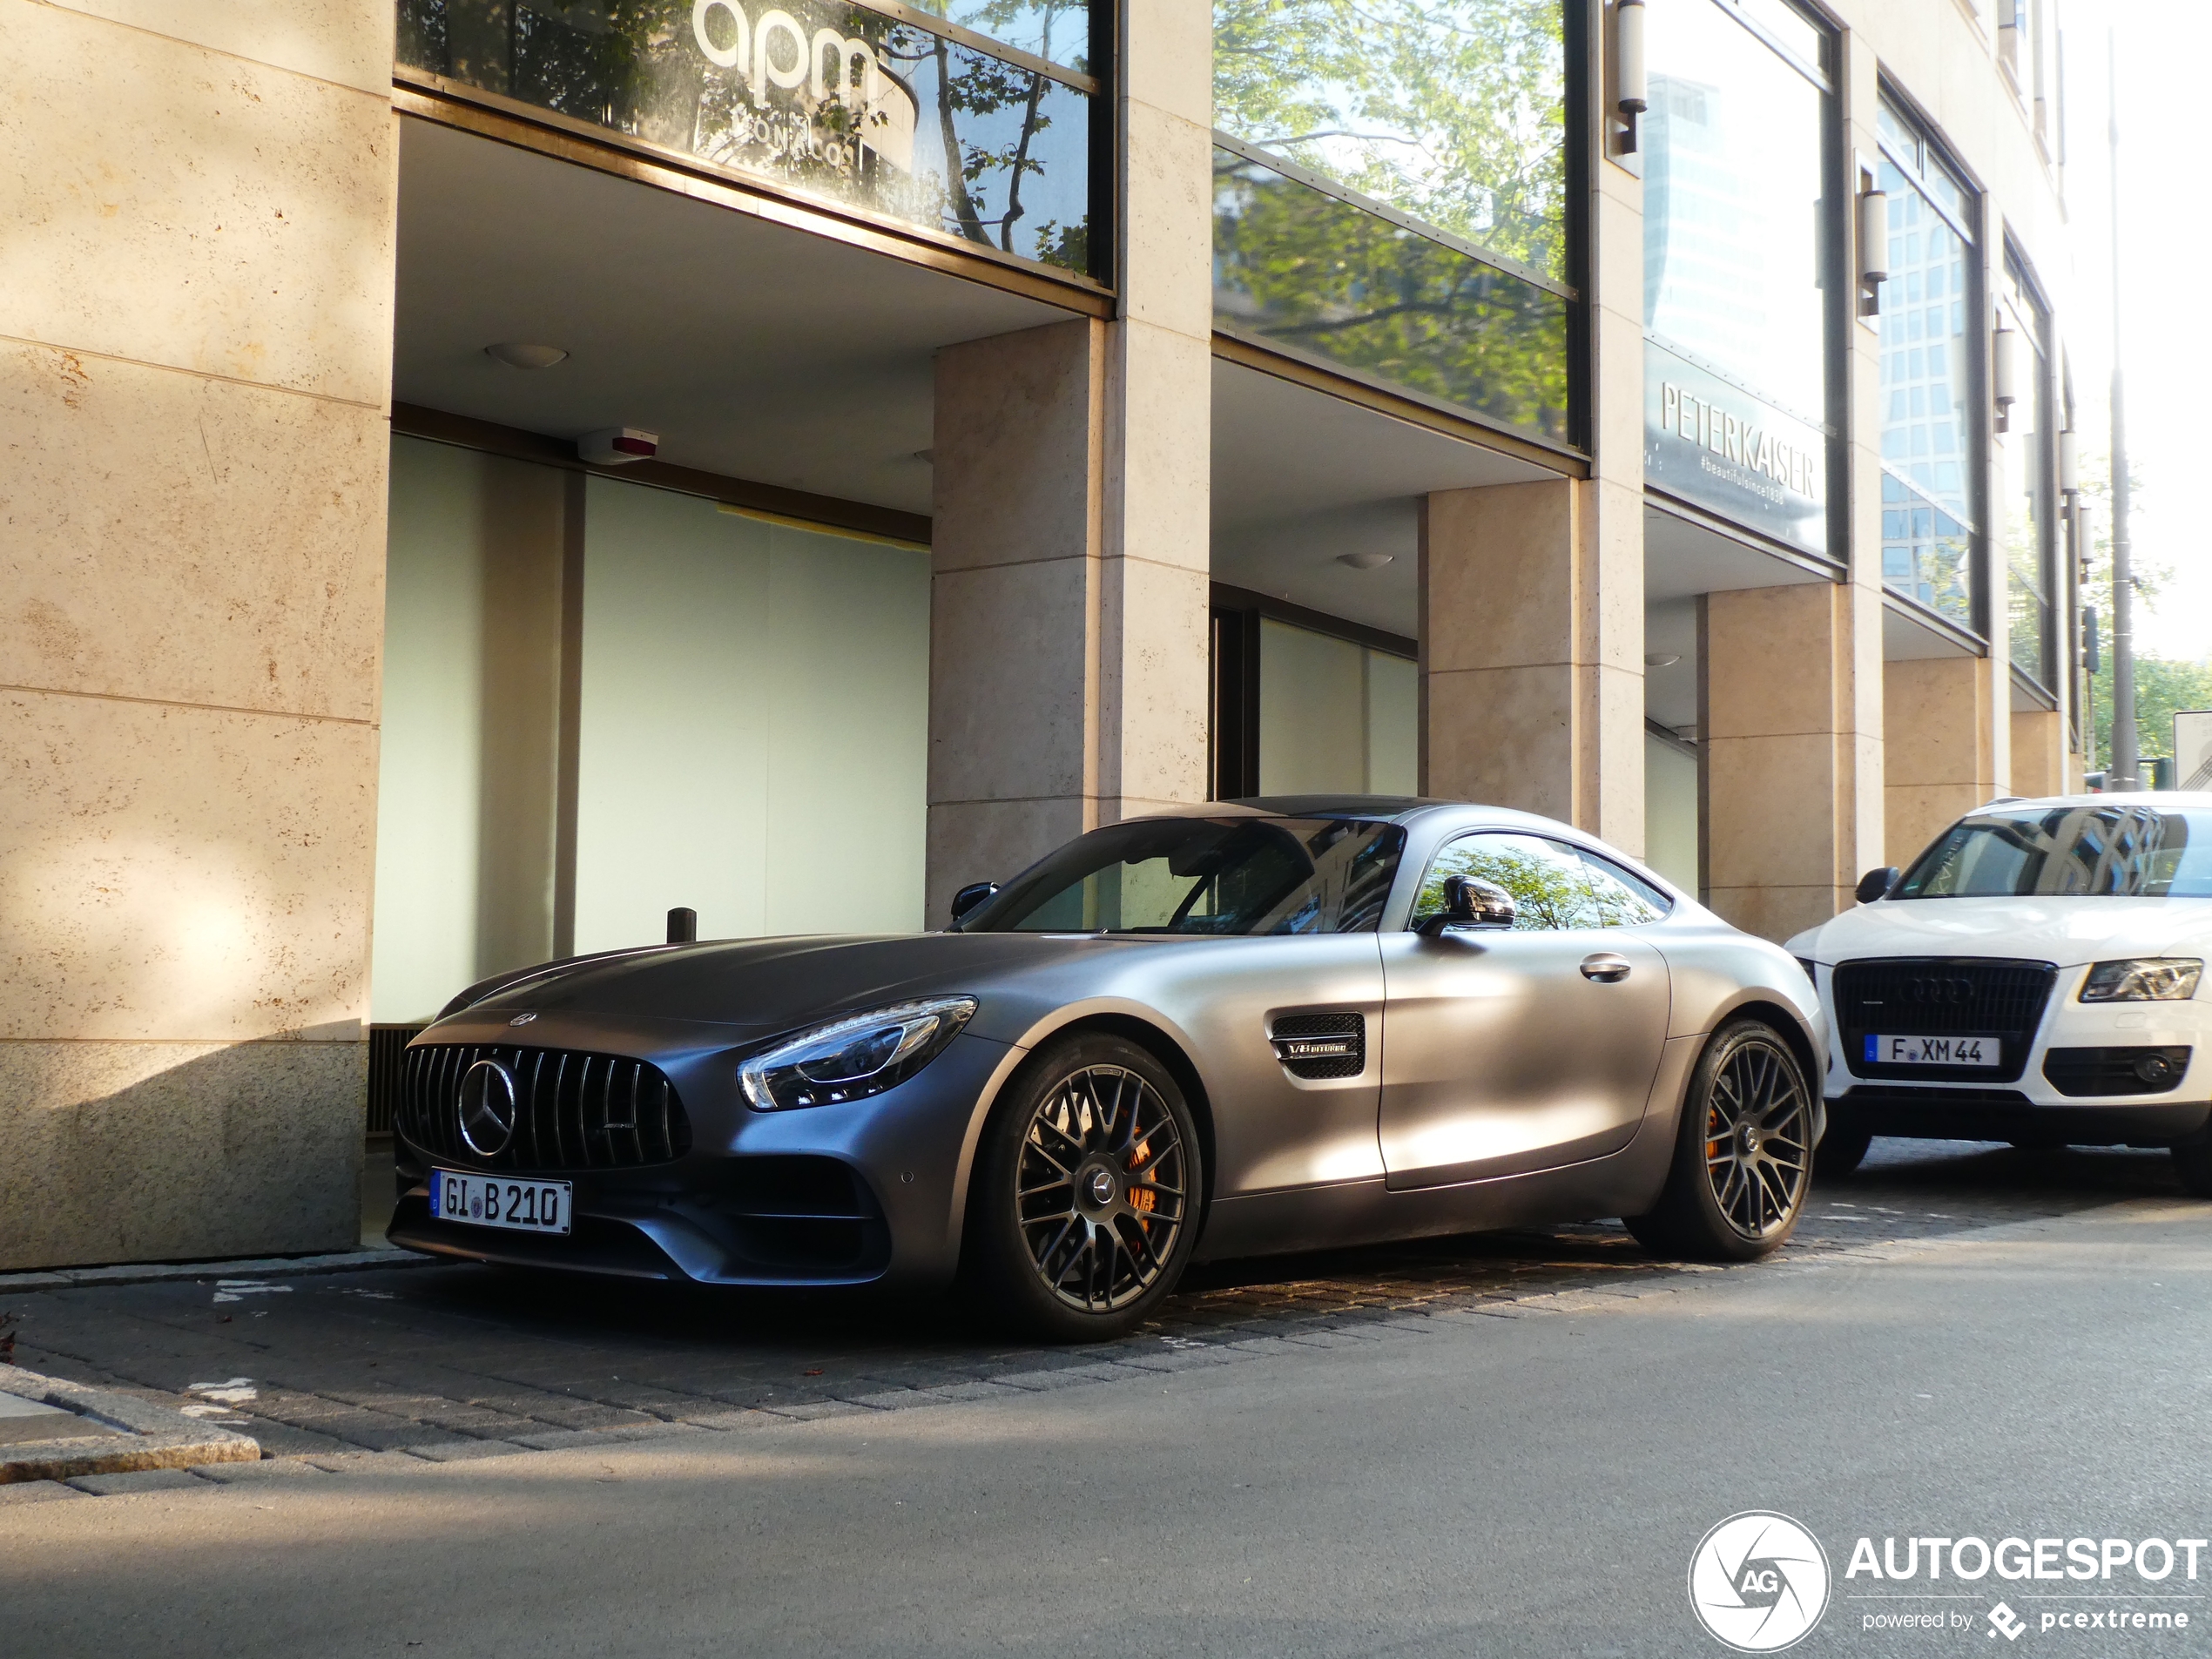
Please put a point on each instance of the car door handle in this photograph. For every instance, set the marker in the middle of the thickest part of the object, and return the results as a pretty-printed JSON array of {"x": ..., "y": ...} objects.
[{"x": 1605, "y": 967}]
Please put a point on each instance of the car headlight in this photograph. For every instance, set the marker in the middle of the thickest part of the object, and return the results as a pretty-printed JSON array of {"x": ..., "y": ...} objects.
[
  {"x": 854, "y": 1057},
  {"x": 2146, "y": 978},
  {"x": 1812, "y": 968}
]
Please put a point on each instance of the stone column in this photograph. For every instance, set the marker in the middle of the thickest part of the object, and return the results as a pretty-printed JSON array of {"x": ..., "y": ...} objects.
[
  {"x": 196, "y": 303},
  {"x": 1532, "y": 686},
  {"x": 1782, "y": 756},
  {"x": 1070, "y": 560},
  {"x": 2040, "y": 765},
  {"x": 1941, "y": 761},
  {"x": 1532, "y": 595}
]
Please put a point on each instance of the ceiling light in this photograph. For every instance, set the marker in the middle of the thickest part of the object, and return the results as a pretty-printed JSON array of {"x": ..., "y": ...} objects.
[
  {"x": 1364, "y": 561},
  {"x": 1662, "y": 659},
  {"x": 518, "y": 354}
]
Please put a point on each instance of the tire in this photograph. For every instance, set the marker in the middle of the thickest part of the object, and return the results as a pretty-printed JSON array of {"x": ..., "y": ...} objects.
[
  {"x": 1080, "y": 1218},
  {"x": 1742, "y": 1156},
  {"x": 1842, "y": 1149},
  {"x": 2193, "y": 1158}
]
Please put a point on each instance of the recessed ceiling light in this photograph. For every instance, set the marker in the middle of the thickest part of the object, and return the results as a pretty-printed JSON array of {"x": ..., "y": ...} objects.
[
  {"x": 518, "y": 353},
  {"x": 1364, "y": 561},
  {"x": 1662, "y": 659}
]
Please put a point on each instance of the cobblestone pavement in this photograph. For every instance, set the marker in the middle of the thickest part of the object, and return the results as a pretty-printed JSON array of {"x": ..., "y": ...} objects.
[{"x": 446, "y": 1361}]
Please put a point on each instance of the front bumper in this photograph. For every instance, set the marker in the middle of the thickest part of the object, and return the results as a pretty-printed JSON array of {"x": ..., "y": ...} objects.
[
  {"x": 2072, "y": 1088},
  {"x": 868, "y": 1192}
]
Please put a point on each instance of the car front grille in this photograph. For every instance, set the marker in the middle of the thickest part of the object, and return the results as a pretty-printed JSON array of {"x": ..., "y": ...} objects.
[
  {"x": 1942, "y": 996},
  {"x": 574, "y": 1111}
]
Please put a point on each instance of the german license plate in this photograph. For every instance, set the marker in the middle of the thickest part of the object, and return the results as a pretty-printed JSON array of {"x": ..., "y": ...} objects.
[
  {"x": 486, "y": 1201},
  {"x": 1934, "y": 1051}
]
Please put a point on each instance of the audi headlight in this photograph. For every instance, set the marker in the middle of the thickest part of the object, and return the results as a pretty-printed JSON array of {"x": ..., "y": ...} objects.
[
  {"x": 2146, "y": 979},
  {"x": 855, "y": 1057}
]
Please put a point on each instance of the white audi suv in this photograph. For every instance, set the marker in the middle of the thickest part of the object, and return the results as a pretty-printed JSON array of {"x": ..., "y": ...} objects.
[{"x": 2036, "y": 976}]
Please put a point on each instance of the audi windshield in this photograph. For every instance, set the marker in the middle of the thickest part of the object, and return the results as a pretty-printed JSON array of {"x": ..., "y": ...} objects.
[{"x": 2105, "y": 852}]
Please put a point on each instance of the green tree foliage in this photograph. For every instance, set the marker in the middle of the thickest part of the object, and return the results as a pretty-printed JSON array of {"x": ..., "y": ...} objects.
[
  {"x": 2163, "y": 688},
  {"x": 1296, "y": 266},
  {"x": 1451, "y": 110}
]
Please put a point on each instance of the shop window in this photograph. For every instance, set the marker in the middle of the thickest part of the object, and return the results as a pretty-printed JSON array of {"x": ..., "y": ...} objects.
[
  {"x": 603, "y": 701},
  {"x": 2026, "y": 455},
  {"x": 1391, "y": 195},
  {"x": 1737, "y": 289},
  {"x": 1298, "y": 711},
  {"x": 1931, "y": 377},
  {"x": 941, "y": 126}
]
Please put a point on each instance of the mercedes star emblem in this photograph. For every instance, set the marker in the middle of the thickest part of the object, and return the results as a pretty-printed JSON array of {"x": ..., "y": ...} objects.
[{"x": 488, "y": 1109}]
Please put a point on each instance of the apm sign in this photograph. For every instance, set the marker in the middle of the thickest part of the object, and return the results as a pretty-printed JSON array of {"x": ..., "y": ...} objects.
[{"x": 795, "y": 75}]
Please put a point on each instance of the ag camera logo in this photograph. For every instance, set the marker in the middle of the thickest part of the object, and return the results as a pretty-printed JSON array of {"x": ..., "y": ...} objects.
[{"x": 1758, "y": 1581}]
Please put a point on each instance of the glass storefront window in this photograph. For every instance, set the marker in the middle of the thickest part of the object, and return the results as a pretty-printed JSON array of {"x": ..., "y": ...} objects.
[
  {"x": 1335, "y": 717},
  {"x": 1452, "y": 111},
  {"x": 2025, "y": 454},
  {"x": 1057, "y": 31},
  {"x": 1297, "y": 266},
  {"x": 871, "y": 111},
  {"x": 749, "y": 725},
  {"x": 1930, "y": 511},
  {"x": 1736, "y": 307}
]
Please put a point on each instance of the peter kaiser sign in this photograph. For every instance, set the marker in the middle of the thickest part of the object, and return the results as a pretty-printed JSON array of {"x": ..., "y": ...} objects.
[{"x": 1711, "y": 443}]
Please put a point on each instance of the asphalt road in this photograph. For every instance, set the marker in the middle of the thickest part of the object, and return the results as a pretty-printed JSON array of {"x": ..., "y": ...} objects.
[{"x": 2005, "y": 1347}]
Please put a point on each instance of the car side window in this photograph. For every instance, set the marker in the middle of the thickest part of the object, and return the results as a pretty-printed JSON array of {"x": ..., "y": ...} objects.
[
  {"x": 1550, "y": 884},
  {"x": 1623, "y": 898}
]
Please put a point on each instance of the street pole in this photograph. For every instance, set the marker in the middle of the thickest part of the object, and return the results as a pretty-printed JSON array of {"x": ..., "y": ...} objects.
[{"x": 2124, "y": 765}]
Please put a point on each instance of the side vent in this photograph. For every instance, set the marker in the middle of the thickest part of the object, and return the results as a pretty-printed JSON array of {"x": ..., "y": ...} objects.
[{"x": 1316, "y": 1046}]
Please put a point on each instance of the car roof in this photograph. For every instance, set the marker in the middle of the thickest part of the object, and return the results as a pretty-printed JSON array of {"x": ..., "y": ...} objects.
[
  {"x": 2199, "y": 798},
  {"x": 1396, "y": 809}
]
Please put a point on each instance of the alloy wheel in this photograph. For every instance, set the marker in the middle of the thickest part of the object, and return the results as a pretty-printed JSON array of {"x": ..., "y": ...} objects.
[
  {"x": 1101, "y": 1188},
  {"x": 1758, "y": 1138}
]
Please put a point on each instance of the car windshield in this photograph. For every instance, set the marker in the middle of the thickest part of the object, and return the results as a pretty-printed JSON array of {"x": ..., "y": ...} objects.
[
  {"x": 2088, "y": 851},
  {"x": 1206, "y": 875}
]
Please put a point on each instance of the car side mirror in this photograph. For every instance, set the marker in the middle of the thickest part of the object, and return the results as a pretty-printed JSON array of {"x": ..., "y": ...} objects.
[
  {"x": 970, "y": 896},
  {"x": 1876, "y": 884},
  {"x": 1469, "y": 901}
]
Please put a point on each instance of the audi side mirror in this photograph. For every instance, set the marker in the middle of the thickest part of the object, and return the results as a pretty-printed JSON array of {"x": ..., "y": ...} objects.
[
  {"x": 1469, "y": 901},
  {"x": 970, "y": 896},
  {"x": 1876, "y": 884}
]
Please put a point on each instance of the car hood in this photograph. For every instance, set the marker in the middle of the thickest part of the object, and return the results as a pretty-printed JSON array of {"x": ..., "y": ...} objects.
[
  {"x": 2067, "y": 931},
  {"x": 761, "y": 986}
]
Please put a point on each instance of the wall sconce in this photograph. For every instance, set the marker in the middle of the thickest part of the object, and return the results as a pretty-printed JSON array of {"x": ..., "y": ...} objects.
[
  {"x": 1873, "y": 250},
  {"x": 2069, "y": 464},
  {"x": 1631, "y": 87},
  {"x": 2003, "y": 374}
]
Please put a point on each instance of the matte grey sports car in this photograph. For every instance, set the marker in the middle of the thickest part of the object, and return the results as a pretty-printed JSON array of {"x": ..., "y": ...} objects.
[{"x": 1254, "y": 1027}]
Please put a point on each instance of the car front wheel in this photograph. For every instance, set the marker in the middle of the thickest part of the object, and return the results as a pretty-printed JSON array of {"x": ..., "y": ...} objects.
[
  {"x": 1743, "y": 1156},
  {"x": 2193, "y": 1158},
  {"x": 1083, "y": 1207}
]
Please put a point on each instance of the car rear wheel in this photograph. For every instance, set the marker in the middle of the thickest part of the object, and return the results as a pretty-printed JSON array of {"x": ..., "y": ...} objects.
[
  {"x": 1743, "y": 1156},
  {"x": 1083, "y": 1207}
]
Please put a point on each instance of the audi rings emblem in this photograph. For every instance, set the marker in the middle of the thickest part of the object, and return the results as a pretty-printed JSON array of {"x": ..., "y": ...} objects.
[
  {"x": 488, "y": 1108},
  {"x": 1951, "y": 992}
]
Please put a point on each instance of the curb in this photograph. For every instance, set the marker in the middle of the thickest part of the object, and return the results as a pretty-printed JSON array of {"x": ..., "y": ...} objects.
[
  {"x": 154, "y": 1438},
  {"x": 344, "y": 1261}
]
